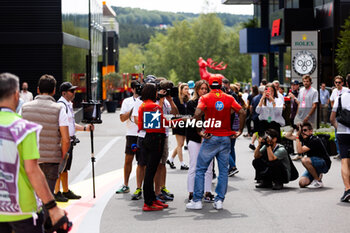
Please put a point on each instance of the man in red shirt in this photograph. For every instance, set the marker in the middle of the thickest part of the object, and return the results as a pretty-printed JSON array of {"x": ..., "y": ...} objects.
[{"x": 217, "y": 107}]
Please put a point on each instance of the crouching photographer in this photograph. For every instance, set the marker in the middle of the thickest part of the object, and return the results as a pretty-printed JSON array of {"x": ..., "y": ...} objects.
[{"x": 272, "y": 163}]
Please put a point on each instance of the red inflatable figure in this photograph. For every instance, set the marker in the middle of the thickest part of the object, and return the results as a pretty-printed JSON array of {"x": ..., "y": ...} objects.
[{"x": 211, "y": 64}]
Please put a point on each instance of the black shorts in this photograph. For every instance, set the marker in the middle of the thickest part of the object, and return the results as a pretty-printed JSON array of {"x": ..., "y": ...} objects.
[
  {"x": 130, "y": 140},
  {"x": 23, "y": 226},
  {"x": 140, "y": 154},
  {"x": 344, "y": 145}
]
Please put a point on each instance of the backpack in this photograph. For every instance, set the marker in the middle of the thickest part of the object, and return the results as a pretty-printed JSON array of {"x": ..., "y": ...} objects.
[{"x": 343, "y": 115}]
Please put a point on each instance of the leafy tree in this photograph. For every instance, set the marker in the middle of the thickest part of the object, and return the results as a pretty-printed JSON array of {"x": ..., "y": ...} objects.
[
  {"x": 130, "y": 57},
  {"x": 342, "y": 59}
]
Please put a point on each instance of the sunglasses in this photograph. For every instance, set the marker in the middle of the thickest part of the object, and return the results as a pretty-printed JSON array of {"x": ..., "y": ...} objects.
[
  {"x": 305, "y": 130},
  {"x": 71, "y": 91},
  {"x": 337, "y": 82}
]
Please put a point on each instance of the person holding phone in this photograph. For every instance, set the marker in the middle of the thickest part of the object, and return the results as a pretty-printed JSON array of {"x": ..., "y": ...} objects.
[{"x": 270, "y": 110}]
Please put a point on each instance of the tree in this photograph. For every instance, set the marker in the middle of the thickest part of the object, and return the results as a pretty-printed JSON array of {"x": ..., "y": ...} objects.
[
  {"x": 130, "y": 57},
  {"x": 342, "y": 59}
]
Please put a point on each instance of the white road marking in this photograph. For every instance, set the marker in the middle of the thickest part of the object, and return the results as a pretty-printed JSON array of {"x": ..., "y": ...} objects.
[{"x": 87, "y": 169}]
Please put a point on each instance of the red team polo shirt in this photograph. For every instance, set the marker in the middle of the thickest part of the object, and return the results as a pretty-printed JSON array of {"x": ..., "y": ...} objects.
[
  {"x": 217, "y": 106},
  {"x": 150, "y": 106}
]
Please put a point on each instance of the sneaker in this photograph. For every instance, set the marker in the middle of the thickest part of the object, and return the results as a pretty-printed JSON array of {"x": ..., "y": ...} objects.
[
  {"x": 337, "y": 156},
  {"x": 209, "y": 198},
  {"x": 171, "y": 164},
  {"x": 296, "y": 157},
  {"x": 137, "y": 195},
  {"x": 264, "y": 184},
  {"x": 315, "y": 184},
  {"x": 184, "y": 167},
  {"x": 164, "y": 197},
  {"x": 218, "y": 205},
  {"x": 346, "y": 196},
  {"x": 251, "y": 146},
  {"x": 232, "y": 171},
  {"x": 277, "y": 186},
  {"x": 194, "y": 205},
  {"x": 70, "y": 195},
  {"x": 190, "y": 197},
  {"x": 123, "y": 189},
  {"x": 60, "y": 198},
  {"x": 159, "y": 203},
  {"x": 152, "y": 207},
  {"x": 167, "y": 192}
]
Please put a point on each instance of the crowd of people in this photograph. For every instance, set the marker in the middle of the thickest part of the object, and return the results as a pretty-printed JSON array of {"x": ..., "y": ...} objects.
[
  {"x": 38, "y": 136},
  {"x": 264, "y": 106}
]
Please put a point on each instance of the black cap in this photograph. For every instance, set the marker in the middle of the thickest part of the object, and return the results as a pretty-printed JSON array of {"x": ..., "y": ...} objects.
[
  {"x": 295, "y": 82},
  {"x": 66, "y": 86}
]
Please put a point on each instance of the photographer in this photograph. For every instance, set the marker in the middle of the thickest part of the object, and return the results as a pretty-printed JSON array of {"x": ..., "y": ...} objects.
[
  {"x": 151, "y": 120},
  {"x": 271, "y": 163},
  {"x": 131, "y": 139},
  {"x": 317, "y": 160},
  {"x": 165, "y": 94}
]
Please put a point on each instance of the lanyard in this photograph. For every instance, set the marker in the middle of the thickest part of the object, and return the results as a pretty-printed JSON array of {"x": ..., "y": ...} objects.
[
  {"x": 305, "y": 93},
  {"x": 339, "y": 92}
]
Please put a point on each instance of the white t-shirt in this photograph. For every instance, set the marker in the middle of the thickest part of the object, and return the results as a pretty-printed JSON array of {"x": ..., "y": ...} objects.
[
  {"x": 128, "y": 105},
  {"x": 135, "y": 113},
  {"x": 270, "y": 113},
  {"x": 245, "y": 96},
  {"x": 68, "y": 108},
  {"x": 336, "y": 93},
  {"x": 63, "y": 118},
  {"x": 166, "y": 111},
  {"x": 345, "y": 103},
  {"x": 280, "y": 97},
  {"x": 26, "y": 96},
  {"x": 306, "y": 98}
]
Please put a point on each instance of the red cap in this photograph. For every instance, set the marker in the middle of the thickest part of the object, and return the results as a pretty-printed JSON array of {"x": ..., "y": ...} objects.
[{"x": 215, "y": 78}]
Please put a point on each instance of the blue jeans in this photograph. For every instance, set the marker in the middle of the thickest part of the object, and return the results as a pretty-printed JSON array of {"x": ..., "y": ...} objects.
[
  {"x": 232, "y": 158},
  {"x": 319, "y": 165},
  {"x": 218, "y": 147}
]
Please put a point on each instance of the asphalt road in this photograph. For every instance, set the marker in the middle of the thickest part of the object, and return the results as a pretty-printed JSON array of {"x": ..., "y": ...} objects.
[{"x": 246, "y": 209}]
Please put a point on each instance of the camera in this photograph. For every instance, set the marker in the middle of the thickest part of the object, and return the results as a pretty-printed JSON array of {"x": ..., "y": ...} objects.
[
  {"x": 265, "y": 138},
  {"x": 168, "y": 87},
  {"x": 91, "y": 112},
  {"x": 138, "y": 88},
  {"x": 75, "y": 140},
  {"x": 296, "y": 127}
]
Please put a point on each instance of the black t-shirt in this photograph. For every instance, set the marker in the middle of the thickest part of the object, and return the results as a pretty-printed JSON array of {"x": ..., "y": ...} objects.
[{"x": 317, "y": 149}]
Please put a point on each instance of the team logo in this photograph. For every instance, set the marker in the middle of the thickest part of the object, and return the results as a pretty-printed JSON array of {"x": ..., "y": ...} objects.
[
  {"x": 218, "y": 95},
  {"x": 219, "y": 105},
  {"x": 151, "y": 120}
]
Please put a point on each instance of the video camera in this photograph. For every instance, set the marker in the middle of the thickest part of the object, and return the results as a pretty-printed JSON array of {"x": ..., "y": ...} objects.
[
  {"x": 168, "y": 87},
  {"x": 91, "y": 112}
]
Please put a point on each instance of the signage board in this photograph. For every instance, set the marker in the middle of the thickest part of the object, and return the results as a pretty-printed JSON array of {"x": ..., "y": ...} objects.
[{"x": 304, "y": 55}]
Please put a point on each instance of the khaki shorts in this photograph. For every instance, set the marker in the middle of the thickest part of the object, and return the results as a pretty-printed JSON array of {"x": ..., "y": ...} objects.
[{"x": 165, "y": 151}]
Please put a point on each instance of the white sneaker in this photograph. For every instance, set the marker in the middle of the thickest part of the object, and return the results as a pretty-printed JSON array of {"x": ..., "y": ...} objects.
[
  {"x": 296, "y": 157},
  {"x": 218, "y": 205},
  {"x": 315, "y": 184},
  {"x": 194, "y": 205}
]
